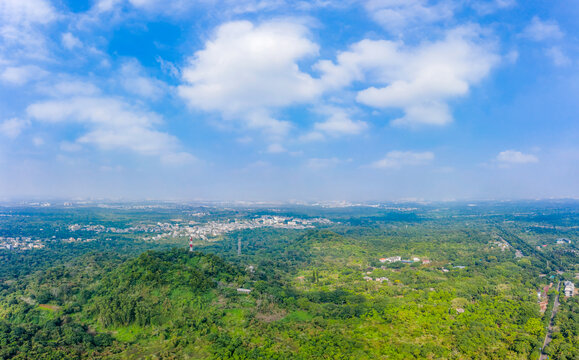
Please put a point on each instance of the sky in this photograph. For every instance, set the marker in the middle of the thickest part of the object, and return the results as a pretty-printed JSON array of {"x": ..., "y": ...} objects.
[{"x": 275, "y": 100}]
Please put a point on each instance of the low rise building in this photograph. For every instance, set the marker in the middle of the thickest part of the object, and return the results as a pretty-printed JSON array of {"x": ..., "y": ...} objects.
[{"x": 569, "y": 288}]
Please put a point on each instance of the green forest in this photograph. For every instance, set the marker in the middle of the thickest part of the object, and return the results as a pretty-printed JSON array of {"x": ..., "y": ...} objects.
[{"x": 467, "y": 289}]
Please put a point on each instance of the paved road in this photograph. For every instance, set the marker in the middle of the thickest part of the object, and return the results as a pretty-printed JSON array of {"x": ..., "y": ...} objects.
[{"x": 550, "y": 329}]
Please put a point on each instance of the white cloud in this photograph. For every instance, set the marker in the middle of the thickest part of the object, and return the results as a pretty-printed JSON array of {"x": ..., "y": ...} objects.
[
  {"x": 558, "y": 57},
  {"x": 133, "y": 80},
  {"x": 13, "y": 127},
  {"x": 70, "y": 41},
  {"x": 20, "y": 24},
  {"x": 339, "y": 123},
  {"x": 70, "y": 147},
  {"x": 252, "y": 6},
  {"x": 38, "y": 141},
  {"x": 509, "y": 157},
  {"x": 395, "y": 15},
  {"x": 111, "y": 123},
  {"x": 539, "y": 30},
  {"x": 261, "y": 120},
  {"x": 228, "y": 8},
  {"x": 312, "y": 136},
  {"x": 178, "y": 8},
  {"x": 178, "y": 158},
  {"x": 168, "y": 67},
  {"x": 106, "y": 5},
  {"x": 276, "y": 149},
  {"x": 20, "y": 75},
  {"x": 397, "y": 159},
  {"x": 419, "y": 80},
  {"x": 246, "y": 71},
  {"x": 25, "y": 12},
  {"x": 488, "y": 7}
]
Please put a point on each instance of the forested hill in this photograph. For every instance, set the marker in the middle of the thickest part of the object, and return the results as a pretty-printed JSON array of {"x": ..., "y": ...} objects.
[
  {"x": 98, "y": 305},
  {"x": 157, "y": 287},
  {"x": 319, "y": 294}
]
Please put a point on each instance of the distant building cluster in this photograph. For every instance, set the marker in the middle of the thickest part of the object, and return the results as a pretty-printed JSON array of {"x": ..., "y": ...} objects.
[
  {"x": 148, "y": 228},
  {"x": 561, "y": 241},
  {"x": 213, "y": 229},
  {"x": 394, "y": 259},
  {"x": 78, "y": 240},
  {"x": 501, "y": 244},
  {"x": 20, "y": 243},
  {"x": 378, "y": 279}
]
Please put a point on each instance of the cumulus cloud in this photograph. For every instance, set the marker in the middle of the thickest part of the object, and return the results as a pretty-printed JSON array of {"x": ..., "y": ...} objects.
[
  {"x": 13, "y": 127},
  {"x": 511, "y": 157},
  {"x": 395, "y": 15},
  {"x": 245, "y": 71},
  {"x": 539, "y": 30},
  {"x": 419, "y": 80},
  {"x": 398, "y": 159},
  {"x": 112, "y": 124}
]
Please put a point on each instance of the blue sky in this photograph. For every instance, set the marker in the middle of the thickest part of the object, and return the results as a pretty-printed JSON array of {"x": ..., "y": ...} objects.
[{"x": 289, "y": 100}]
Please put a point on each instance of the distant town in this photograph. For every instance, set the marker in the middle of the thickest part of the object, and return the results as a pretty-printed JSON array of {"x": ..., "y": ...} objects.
[{"x": 178, "y": 228}]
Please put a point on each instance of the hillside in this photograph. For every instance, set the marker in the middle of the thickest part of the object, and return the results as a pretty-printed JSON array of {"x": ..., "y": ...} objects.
[{"x": 309, "y": 299}]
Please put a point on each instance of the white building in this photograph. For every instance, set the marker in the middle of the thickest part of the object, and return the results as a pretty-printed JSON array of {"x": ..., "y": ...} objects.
[{"x": 569, "y": 288}]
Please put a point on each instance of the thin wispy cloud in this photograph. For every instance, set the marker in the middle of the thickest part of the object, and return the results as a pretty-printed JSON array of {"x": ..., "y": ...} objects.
[
  {"x": 110, "y": 124},
  {"x": 11, "y": 128},
  {"x": 395, "y": 15},
  {"x": 539, "y": 30},
  {"x": 513, "y": 157},
  {"x": 397, "y": 159}
]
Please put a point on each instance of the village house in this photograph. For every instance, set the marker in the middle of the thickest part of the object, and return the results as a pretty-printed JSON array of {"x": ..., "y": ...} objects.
[
  {"x": 391, "y": 259},
  {"x": 569, "y": 288}
]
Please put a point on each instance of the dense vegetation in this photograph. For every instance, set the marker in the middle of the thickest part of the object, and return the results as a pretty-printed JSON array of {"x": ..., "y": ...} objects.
[
  {"x": 565, "y": 344},
  {"x": 472, "y": 299}
]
